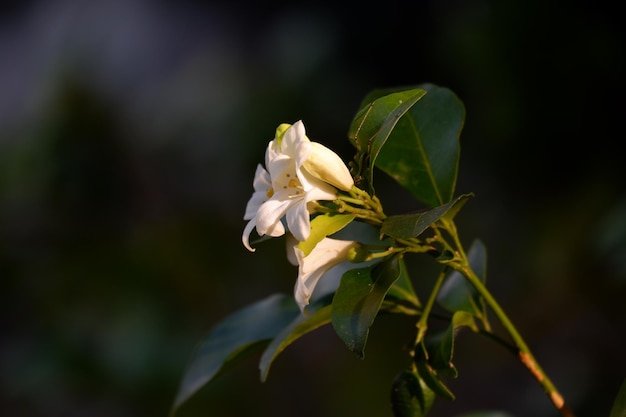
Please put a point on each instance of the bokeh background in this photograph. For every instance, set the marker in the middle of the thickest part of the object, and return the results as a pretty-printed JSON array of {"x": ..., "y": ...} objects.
[{"x": 129, "y": 135}]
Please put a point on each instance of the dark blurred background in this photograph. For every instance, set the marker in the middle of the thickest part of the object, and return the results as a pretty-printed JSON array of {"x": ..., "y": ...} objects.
[{"x": 129, "y": 136}]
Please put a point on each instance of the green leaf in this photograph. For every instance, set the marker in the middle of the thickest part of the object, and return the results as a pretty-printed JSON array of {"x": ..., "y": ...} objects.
[
  {"x": 422, "y": 152},
  {"x": 317, "y": 315},
  {"x": 410, "y": 396},
  {"x": 619, "y": 405},
  {"x": 402, "y": 291},
  {"x": 441, "y": 346},
  {"x": 432, "y": 379},
  {"x": 406, "y": 226},
  {"x": 245, "y": 330},
  {"x": 363, "y": 233},
  {"x": 358, "y": 300},
  {"x": 457, "y": 293},
  {"x": 372, "y": 126},
  {"x": 324, "y": 225}
]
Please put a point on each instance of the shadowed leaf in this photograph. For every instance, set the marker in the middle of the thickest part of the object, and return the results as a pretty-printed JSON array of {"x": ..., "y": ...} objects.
[
  {"x": 457, "y": 293},
  {"x": 358, "y": 300},
  {"x": 246, "y": 329},
  {"x": 405, "y": 226},
  {"x": 410, "y": 396},
  {"x": 315, "y": 317}
]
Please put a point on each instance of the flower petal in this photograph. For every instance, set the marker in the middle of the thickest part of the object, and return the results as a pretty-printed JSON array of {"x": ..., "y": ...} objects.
[
  {"x": 269, "y": 215},
  {"x": 262, "y": 185},
  {"x": 292, "y": 138},
  {"x": 245, "y": 237},
  {"x": 326, "y": 254},
  {"x": 299, "y": 221}
]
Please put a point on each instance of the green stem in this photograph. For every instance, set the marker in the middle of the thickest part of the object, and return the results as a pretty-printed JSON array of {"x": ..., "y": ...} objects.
[
  {"x": 523, "y": 351},
  {"x": 422, "y": 324}
]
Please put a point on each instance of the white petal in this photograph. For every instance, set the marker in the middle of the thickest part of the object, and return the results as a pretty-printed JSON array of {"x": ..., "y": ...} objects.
[
  {"x": 291, "y": 243},
  {"x": 278, "y": 165},
  {"x": 299, "y": 221},
  {"x": 270, "y": 153},
  {"x": 245, "y": 237},
  {"x": 326, "y": 254},
  {"x": 261, "y": 185},
  {"x": 302, "y": 152},
  {"x": 262, "y": 181},
  {"x": 292, "y": 138},
  {"x": 318, "y": 190},
  {"x": 255, "y": 202},
  {"x": 269, "y": 215}
]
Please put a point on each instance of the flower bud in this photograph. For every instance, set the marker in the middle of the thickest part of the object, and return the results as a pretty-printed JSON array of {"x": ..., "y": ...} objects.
[
  {"x": 280, "y": 132},
  {"x": 327, "y": 166},
  {"x": 357, "y": 254}
]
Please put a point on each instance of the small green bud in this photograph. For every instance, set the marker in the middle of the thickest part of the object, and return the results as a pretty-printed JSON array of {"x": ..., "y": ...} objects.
[
  {"x": 280, "y": 132},
  {"x": 358, "y": 254}
]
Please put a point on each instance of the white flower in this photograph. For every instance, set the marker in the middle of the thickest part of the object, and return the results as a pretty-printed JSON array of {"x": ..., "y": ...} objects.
[
  {"x": 327, "y": 254},
  {"x": 298, "y": 172},
  {"x": 317, "y": 160}
]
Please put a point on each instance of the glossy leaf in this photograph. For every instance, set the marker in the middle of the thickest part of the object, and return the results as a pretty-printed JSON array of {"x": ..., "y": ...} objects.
[
  {"x": 457, "y": 293},
  {"x": 441, "y": 347},
  {"x": 245, "y": 330},
  {"x": 324, "y": 225},
  {"x": 431, "y": 377},
  {"x": 422, "y": 152},
  {"x": 358, "y": 300},
  {"x": 402, "y": 292},
  {"x": 361, "y": 232},
  {"x": 317, "y": 315},
  {"x": 410, "y": 396},
  {"x": 372, "y": 126},
  {"x": 405, "y": 226}
]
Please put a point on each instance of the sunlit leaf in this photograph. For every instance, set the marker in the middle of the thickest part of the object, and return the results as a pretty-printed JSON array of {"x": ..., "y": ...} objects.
[
  {"x": 410, "y": 396},
  {"x": 324, "y": 225},
  {"x": 422, "y": 152},
  {"x": 372, "y": 125},
  {"x": 248, "y": 329},
  {"x": 457, "y": 293},
  {"x": 405, "y": 226},
  {"x": 358, "y": 300},
  {"x": 317, "y": 315}
]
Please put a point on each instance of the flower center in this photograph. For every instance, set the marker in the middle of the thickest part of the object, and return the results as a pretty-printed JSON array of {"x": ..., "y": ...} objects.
[{"x": 289, "y": 182}]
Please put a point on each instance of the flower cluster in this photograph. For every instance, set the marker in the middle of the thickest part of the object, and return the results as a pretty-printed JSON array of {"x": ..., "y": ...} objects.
[{"x": 297, "y": 174}]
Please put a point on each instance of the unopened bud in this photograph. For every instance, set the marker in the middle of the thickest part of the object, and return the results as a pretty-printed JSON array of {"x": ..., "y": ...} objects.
[
  {"x": 326, "y": 165},
  {"x": 358, "y": 254},
  {"x": 280, "y": 132}
]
